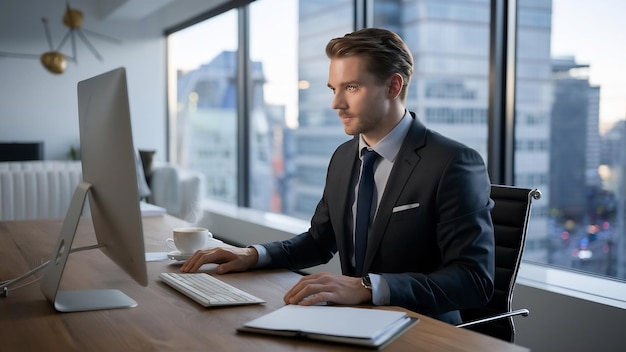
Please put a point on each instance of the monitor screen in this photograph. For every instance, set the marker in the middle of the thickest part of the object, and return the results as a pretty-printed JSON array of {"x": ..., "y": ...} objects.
[{"x": 110, "y": 181}]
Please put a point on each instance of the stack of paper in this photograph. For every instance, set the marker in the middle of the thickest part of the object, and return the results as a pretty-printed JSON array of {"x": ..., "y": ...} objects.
[{"x": 148, "y": 209}]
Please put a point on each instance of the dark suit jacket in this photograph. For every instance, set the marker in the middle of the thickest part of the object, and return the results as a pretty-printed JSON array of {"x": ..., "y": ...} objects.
[{"x": 437, "y": 257}]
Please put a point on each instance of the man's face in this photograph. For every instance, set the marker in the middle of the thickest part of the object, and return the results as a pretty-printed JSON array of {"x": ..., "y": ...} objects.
[{"x": 360, "y": 101}]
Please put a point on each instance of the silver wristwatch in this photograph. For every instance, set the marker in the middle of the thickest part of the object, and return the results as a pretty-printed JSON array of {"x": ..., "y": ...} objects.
[{"x": 366, "y": 282}]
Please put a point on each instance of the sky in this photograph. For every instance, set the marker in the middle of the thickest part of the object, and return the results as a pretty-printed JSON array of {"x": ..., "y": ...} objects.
[{"x": 594, "y": 31}]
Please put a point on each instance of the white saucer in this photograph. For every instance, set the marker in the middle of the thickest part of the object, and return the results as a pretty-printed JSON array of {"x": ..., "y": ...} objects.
[{"x": 175, "y": 255}]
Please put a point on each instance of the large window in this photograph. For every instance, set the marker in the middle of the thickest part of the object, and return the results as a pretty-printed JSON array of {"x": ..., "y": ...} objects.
[
  {"x": 203, "y": 96},
  {"x": 274, "y": 101},
  {"x": 292, "y": 130},
  {"x": 450, "y": 45},
  {"x": 570, "y": 101},
  {"x": 570, "y": 111}
]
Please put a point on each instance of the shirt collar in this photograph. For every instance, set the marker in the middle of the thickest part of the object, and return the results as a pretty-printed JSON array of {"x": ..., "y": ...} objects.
[{"x": 389, "y": 146}]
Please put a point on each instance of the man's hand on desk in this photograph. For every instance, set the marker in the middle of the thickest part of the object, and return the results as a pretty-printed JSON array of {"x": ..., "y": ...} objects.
[
  {"x": 230, "y": 259},
  {"x": 327, "y": 287}
]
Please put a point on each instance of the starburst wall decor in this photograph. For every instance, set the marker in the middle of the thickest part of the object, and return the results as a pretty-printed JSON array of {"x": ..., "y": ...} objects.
[{"x": 54, "y": 60}]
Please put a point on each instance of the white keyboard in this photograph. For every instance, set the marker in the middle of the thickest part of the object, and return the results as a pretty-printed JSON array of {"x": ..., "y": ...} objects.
[{"x": 208, "y": 290}]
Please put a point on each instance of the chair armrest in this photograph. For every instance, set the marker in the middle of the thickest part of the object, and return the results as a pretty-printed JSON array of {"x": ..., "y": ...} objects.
[{"x": 523, "y": 312}]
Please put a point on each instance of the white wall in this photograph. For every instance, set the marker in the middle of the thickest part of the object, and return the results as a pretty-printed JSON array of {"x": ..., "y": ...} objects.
[
  {"x": 36, "y": 105},
  {"x": 559, "y": 322}
]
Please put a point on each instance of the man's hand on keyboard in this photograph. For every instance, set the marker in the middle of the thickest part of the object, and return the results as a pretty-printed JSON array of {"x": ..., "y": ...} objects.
[{"x": 230, "y": 259}]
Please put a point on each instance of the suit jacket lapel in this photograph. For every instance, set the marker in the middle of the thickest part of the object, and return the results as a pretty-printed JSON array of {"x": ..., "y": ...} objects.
[
  {"x": 403, "y": 168},
  {"x": 344, "y": 185}
]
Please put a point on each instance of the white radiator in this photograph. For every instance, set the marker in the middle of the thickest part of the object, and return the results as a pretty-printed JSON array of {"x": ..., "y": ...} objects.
[
  {"x": 44, "y": 189},
  {"x": 37, "y": 190}
]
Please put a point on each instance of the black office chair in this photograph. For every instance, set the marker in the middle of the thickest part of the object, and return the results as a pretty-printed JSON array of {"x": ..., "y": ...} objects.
[{"x": 510, "y": 219}]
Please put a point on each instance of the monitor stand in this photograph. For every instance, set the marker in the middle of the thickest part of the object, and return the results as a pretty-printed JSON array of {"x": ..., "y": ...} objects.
[{"x": 83, "y": 300}]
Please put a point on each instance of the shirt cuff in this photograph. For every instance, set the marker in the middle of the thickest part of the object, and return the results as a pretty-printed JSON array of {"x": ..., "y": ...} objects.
[
  {"x": 380, "y": 289},
  {"x": 264, "y": 257}
]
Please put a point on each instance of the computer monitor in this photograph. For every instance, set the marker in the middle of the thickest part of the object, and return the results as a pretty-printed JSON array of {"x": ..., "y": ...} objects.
[{"x": 110, "y": 179}]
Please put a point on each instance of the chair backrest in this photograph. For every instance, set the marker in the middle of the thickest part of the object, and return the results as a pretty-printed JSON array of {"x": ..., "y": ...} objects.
[{"x": 510, "y": 219}]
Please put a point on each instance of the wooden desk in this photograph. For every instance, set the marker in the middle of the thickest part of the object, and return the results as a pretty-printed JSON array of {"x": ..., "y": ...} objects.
[{"x": 164, "y": 320}]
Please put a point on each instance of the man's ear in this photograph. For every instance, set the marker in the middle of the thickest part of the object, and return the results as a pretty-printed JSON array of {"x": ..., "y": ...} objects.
[{"x": 396, "y": 82}]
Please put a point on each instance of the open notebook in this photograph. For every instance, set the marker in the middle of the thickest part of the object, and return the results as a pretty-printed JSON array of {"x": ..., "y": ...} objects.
[{"x": 372, "y": 328}]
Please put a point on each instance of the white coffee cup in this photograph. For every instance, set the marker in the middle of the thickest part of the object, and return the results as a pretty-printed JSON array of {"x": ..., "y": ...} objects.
[{"x": 187, "y": 240}]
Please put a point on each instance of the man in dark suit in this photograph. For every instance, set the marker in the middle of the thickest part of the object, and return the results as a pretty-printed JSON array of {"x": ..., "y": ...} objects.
[{"x": 429, "y": 244}]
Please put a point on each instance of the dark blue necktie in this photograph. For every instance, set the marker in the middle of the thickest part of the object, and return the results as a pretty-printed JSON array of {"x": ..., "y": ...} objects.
[{"x": 363, "y": 208}]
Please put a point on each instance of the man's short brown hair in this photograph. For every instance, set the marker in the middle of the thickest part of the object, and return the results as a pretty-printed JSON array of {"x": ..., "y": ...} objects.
[{"x": 384, "y": 51}]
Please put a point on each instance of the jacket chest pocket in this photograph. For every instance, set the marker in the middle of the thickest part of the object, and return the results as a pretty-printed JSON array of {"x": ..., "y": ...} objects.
[{"x": 405, "y": 211}]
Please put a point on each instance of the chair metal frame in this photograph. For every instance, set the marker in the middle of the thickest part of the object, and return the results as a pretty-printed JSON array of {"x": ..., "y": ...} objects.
[{"x": 510, "y": 218}]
